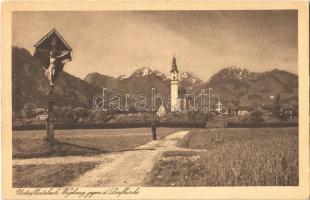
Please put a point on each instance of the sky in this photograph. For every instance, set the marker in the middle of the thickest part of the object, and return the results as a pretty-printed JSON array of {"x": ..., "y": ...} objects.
[{"x": 117, "y": 43}]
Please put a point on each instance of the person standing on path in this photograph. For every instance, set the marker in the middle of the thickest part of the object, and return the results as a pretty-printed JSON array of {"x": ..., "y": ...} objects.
[{"x": 153, "y": 127}]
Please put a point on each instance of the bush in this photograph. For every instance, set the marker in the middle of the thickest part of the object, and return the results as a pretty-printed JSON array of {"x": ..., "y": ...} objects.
[
  {"x": 142, "y": 118},
  {"x": 188, "y": 117},
  {"x": 256, "y": 117},
  {"x": 211, "y": 116},
  {"x": 174, "y": 117},
  {"x": 247, "y": 125},
  {"x": 244, "y": 118}
]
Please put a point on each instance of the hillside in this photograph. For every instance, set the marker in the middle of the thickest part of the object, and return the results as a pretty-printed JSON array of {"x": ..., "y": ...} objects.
[
  {"x": 29, "y": 84},
  {"x": 102, "y": 81},
  {"x": 141, "y": 81},
  {"x": 189, "y": 82},
  {"x": 241, "y": 87}
]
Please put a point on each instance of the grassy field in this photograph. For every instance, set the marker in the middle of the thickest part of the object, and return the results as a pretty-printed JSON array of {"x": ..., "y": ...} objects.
[
  {"x": 30, "y": 144},
  {"x": 246, "y": 157},
  {"x": 48, "y": 175}
]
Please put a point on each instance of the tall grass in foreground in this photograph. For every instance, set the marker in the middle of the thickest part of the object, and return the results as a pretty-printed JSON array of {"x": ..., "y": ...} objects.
[
  {"x": 57, "y": 175},
  {"x": 247, "y": 157}
]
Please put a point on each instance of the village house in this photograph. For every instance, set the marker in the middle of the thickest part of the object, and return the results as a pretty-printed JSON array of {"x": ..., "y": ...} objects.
[
  {"x": 288, "y": 111},
  {"x": 268, "y": 110},
  {"x": 41, "y": 114},
  {"x": 232, "y": 110},
  {"x": 161, "y": 112},
  {"x": 242, "y": 112}
]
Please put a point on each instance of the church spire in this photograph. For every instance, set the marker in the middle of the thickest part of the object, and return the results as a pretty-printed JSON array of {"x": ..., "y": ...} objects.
[{"x": 174, "y": 65}]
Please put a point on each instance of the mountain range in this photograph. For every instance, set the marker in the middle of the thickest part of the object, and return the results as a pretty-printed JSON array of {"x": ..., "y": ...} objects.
[
  {"x": 234, "y": 85},
  {"x": 231, "y": 84}
]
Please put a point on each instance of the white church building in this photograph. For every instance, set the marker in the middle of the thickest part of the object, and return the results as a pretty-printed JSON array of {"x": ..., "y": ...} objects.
[{"x": 175, "y": 101}]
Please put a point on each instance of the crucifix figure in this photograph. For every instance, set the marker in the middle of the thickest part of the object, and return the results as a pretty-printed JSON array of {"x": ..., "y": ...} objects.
[{"x": 55, "y": 64}]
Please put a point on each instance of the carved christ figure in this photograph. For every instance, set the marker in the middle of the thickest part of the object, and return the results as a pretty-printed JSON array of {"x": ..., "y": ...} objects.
[{"x": 53, "y": 68}]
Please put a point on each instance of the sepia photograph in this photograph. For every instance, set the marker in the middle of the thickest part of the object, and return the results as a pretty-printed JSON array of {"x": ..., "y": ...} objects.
[{"x": 132, "y": 99}]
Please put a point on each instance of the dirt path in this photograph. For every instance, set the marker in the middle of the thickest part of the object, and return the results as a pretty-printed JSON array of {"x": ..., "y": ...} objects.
[{"x": 127, "y": 168}]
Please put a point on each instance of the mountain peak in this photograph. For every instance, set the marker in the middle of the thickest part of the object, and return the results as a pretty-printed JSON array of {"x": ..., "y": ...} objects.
[
  {"x": 93, "y": 74},
  {"x": 237, "y": 70},
  {"x": 189, "y": 81},
  {"x": 186, "y": 75},
  {"x": 191, "y": 77},
  {"x": 235, "y": 73},
  {"x": 122, "y": 77},
  {"x": 147, "y": 71}
]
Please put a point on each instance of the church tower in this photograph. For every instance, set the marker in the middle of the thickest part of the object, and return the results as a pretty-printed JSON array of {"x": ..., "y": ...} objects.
[{"x": 174, "y": 96}]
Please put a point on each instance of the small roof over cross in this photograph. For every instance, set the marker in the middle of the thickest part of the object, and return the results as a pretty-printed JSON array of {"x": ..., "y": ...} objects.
[{"x": 53, "y": 40}]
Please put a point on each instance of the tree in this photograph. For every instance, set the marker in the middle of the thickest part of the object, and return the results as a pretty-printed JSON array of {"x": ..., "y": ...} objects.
[
  {"x": 149, "y": 117},
  {"x": 256, "y": 117},
  {"x": 277, "y": 106},
  {"x": 66, "y": 114},
  {"x": 197, "y": 116},
  {"x": 29, "y": 110},
  {"x": 254, "y": 105},
  {"x": 211, "y": 116},
  {"x": 99, "y": 116},
  {"x": 90, "y": 114},
  {"x": 236, "y": 102},
  {"x": 78, "y": 113}
]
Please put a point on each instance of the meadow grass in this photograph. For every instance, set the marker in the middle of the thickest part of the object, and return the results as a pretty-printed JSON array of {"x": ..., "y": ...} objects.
[
  {"x": 57, "y": 175},
  {"x": 246, "y": 157},
  {"x": 30, "y": 144}
]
